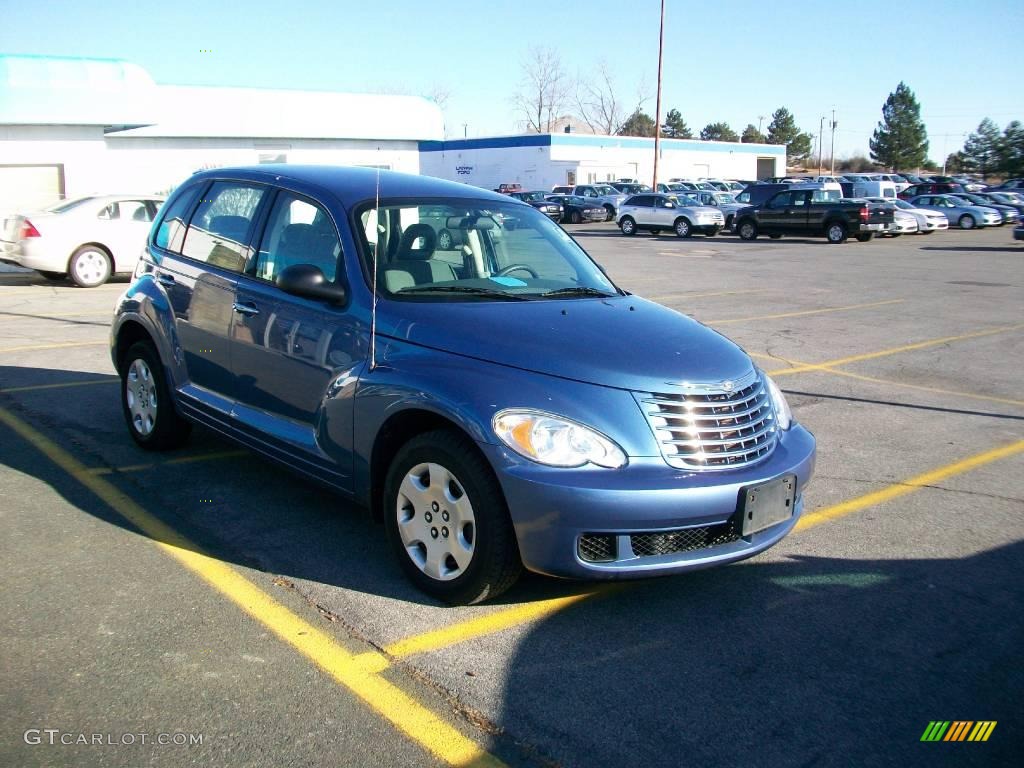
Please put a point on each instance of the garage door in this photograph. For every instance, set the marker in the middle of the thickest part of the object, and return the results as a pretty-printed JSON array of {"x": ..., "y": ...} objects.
[
  {"x": 765, "y": 167},
  {"x": 27, "y": 187}
]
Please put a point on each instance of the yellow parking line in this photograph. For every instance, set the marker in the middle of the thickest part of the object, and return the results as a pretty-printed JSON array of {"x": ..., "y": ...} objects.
[
  {"x": 954, "y": 392},
  {"x": 802, "y": 313},
  {"x": 408, "y": 715},
  {"x": 212, "y": 456},
  {"x": 61, "y": 385},
  {"x": 521, "y": 614},
  {"x": 704, "y": 295},
  {"x": 60, "y": 345},
  {"x": 483, "y": 625},
  {"x": 896, "y": 490},
  {"x": 894, "y": 350}
]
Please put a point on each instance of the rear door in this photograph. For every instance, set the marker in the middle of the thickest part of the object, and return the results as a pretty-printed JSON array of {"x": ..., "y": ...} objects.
[
  {"x": 123, "y": 226},
  {"x": 204, "y": 252}
]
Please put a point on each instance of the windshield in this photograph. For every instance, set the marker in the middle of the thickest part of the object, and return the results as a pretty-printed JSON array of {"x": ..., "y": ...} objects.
[
  {"x": 902, "y": 204},
  {"x": 723, "y": 198},
  {"x": 532, "y": 197},
  {"x": 465, "y": 250},
  {"x": 603, "y": 189}
]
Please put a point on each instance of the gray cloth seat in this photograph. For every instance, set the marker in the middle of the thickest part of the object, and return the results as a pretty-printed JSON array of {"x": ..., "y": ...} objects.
[{"x": 415, "y": 256}]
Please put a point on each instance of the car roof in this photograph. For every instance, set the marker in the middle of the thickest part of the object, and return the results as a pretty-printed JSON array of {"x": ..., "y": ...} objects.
[{"x": 351, "y": 185}]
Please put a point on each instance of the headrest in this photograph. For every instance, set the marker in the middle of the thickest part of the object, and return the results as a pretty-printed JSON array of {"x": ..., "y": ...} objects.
[{"x": 413, "y": 233}]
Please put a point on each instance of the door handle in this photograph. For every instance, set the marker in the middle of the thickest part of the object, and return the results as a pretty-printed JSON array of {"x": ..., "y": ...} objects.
[
  {"x": 245, "y": 309},
  {"x": 166, "y": 280}
]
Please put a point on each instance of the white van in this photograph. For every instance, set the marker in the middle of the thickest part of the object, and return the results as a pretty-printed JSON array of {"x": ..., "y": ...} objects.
[{"x": 871, "y": 185}]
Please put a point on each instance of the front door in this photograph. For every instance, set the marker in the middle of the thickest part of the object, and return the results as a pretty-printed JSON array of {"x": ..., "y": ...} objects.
[{"x": 288, "y": 352}]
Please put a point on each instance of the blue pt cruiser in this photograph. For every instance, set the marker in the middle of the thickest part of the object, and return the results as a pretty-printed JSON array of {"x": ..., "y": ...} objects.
[{"x": 453, "y": 361}]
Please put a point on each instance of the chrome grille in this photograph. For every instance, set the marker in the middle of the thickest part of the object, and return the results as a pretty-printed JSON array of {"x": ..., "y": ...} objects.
[{"x": 713, "y": 427}]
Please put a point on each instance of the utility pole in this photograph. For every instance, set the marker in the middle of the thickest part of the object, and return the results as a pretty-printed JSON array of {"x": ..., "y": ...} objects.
[
  {"x": 465, "y": 130},
  {"x": 657, "y": 106},
  {"x": 821, "y": 142},
  {"x": 833, "y": 150},
  {"x": 760, "y": 119}
]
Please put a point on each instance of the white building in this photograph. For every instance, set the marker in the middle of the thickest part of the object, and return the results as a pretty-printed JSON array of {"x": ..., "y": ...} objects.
[
  {"x": 77, "y": 126},
  {"x": 541, "y": 161}
]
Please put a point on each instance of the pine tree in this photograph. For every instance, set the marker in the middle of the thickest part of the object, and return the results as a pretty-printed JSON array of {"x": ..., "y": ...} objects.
[
  {"x": 718, "y": 132},
  {"x": 675, "y": 127},
  {"x": 753, "y": 136},
  {"x": 783, "y": 130},
  {"x": 1011, "y": 150},
  {"x": 900, "y": 141},
  {"x": 638, "y": 124},
  {"x": 982, "y": 148}
]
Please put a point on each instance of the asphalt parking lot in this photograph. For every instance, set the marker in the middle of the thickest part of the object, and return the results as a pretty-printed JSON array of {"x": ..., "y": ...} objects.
[{"x": 209, "y": 592}]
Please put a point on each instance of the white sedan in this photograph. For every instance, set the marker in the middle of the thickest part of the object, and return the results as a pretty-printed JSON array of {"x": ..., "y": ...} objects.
[
  {"x": 88, "y": 238},
  {"x": 928, "y": 221}
]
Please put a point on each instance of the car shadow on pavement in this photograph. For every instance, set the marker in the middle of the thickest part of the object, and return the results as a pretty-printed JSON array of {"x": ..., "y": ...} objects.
[
  {"x": 240, "y": 508},
  {"x": 803, "y": 661}
]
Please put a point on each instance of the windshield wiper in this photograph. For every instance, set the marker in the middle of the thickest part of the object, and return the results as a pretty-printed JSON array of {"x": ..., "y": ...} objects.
[
  {"x": 464, "y": 289},
  {"x": 578, "y": 290}
]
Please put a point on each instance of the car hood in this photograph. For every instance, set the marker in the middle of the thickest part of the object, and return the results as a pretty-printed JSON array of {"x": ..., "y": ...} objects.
[{"x": 624, "y": 342}]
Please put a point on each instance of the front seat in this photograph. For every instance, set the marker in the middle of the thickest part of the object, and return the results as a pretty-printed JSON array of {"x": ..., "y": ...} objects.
[{"x": 418, "y": 262}]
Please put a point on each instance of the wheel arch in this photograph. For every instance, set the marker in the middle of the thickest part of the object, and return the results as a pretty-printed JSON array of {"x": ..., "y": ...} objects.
[
  {"x": 130, "y": 332},
  {"x": 396, "y": 431}
]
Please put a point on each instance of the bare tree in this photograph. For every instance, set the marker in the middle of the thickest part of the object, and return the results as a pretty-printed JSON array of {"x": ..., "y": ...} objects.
[
  {"x": 597, "y": 102},
  {"x": 543, "y": 90},
  {"x": 439, "y": 95}
]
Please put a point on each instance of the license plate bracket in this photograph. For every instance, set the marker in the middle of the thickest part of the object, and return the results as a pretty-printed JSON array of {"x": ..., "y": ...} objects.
[{"x": 767, "y": 504}]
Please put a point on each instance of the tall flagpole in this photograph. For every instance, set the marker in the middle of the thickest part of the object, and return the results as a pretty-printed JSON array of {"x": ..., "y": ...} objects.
[{"x": 657, "y": 106}]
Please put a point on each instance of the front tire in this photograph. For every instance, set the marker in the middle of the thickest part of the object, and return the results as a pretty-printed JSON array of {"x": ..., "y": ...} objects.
[
  {"x": 447, "y": 520},
  {"x": 683, "y": 228},
  {"x": 835, "y": 233},
  {"x": 627, "y": 226},
  {"x": 747, "y": 230},
  {"x": 967, "y": 221},
  {"x": 146, "y": 401},
  {"x": 90, "y": 266}
]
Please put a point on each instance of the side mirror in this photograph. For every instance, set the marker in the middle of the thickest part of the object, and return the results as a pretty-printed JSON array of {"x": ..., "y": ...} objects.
[
  {"x": 670, "y": 205},
  {"x": 309, "y": 281}
]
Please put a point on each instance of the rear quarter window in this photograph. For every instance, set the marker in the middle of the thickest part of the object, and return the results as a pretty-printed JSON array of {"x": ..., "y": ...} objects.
[{"x": 170, "y": 235}]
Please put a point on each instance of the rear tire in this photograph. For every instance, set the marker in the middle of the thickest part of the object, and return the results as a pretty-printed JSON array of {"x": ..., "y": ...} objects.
[
  {"x": 146, "y": 401},
  {"x": 967, "y": 221},
  {"x": 775, "y": 236},
  {"x": 441, "y": 499},
  {"x": 610, "y": 213},
  {"x": 865, "y": 237},
  {"x": 655, "y": 231},
  {"x": 575, "y": 217},
  {"x": 90, "y": 266},
  {"x": 835, "y": 233}
]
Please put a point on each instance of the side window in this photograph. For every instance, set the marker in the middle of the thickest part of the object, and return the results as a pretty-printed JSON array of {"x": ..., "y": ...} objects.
[
  {"x": 135, "y": 210},
  {"x": 298, "y": 232},
  {"x": 110, "y": 213},
  {"x": 171, "y": 232},
  {"x": 781, "y": 200},
  {"x": 220, "y": 226}
]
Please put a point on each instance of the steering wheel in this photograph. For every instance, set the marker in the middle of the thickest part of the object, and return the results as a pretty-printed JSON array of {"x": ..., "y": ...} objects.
[{"x": 514, "y": 267}]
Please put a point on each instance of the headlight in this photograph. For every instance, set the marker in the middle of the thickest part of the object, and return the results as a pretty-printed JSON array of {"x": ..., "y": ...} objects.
[
  {"x": 783, "y": 416},
  {"x": 555, "y": 441}
]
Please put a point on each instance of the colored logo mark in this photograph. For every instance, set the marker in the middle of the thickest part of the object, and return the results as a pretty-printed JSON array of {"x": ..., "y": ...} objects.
[{"x": 958, "y": 730}]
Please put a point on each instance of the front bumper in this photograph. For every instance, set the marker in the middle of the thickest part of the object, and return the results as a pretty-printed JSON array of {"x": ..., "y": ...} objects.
[{"x": 552, "y": 508}]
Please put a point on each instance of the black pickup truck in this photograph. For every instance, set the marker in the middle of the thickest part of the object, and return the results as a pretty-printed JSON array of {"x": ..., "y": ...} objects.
[{"x": 812, "y": 212}]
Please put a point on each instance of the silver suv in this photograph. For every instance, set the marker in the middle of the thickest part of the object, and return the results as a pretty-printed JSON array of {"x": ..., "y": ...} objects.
[
  {"x": 609, "y": 197},
  {"x": 656, "y": 212}
]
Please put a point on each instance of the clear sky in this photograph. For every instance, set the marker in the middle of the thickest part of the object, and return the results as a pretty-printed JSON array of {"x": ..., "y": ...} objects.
[{"x": 730, "y": 61}]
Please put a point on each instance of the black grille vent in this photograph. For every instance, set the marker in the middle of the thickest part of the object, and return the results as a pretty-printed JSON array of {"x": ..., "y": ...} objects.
[
  {"x": 597, "y": 548},
  {"x": 683, "y": 540}
]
